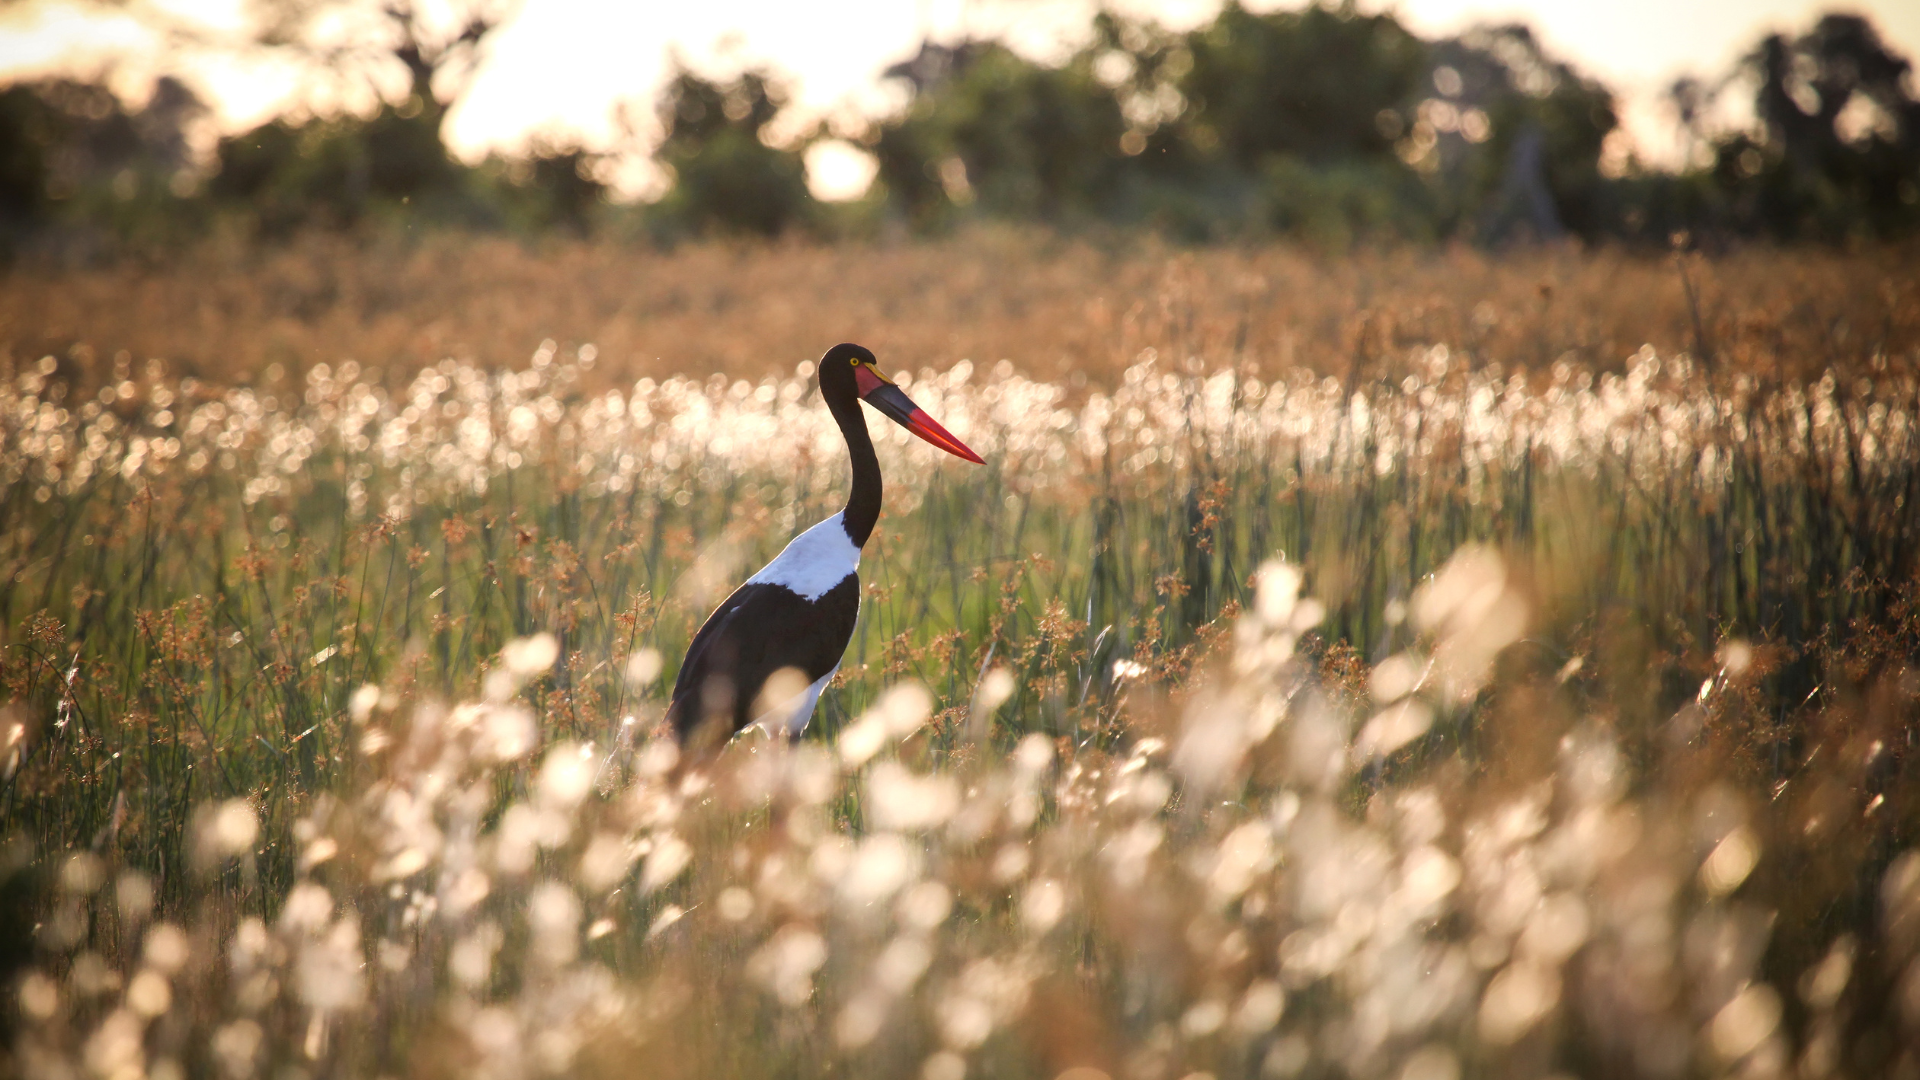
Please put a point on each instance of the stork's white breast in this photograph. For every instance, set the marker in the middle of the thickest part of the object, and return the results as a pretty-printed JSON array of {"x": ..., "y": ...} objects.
[
  {"x": 814, "y": 561},
  {"x": 789, "y": 718}
]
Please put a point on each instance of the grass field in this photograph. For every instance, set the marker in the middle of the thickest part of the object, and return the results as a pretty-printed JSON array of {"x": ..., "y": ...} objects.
[
  {"x": 1405, "y": 665},
  {"x": 1058, "y": 310}
]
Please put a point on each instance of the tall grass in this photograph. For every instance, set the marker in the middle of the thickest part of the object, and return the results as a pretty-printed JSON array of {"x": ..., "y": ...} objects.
[
  {"x": 1593, "y": 798},
  {"x": 1064, "y": 310}
]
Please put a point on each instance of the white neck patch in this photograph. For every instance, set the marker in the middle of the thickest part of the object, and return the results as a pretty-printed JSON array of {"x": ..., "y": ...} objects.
[{"x": 814, "y": 561}]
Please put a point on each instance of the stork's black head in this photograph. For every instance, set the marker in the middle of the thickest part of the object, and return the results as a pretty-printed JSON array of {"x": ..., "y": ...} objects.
[
  {"x": 849, "y": 371},
  {"x": 837, "y": 379}
]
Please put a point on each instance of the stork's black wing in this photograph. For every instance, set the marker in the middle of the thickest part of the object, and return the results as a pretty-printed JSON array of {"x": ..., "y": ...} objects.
[{"x": 760, "y": 629}]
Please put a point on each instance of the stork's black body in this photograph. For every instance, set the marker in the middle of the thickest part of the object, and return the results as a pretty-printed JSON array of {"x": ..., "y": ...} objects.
[
  {"x": 798, "y": 612},
  {"x": 759, "y": 630}
]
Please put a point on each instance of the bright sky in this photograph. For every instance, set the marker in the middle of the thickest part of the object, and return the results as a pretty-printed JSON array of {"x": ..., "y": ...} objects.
[{"x": 561, "y": 66}]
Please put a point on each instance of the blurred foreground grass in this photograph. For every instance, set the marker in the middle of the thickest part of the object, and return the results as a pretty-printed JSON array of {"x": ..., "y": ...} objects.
[{"x": 1586, "y": 751}]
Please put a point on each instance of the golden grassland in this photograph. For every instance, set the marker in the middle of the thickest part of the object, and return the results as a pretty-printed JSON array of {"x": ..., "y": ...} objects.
[
  {"x": 1402, "y": 665},
  {"x": 1057, "y": 309}
]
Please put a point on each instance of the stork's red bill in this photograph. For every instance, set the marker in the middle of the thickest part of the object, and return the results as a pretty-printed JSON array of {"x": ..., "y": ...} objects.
[{"x": 893, "y": 403}]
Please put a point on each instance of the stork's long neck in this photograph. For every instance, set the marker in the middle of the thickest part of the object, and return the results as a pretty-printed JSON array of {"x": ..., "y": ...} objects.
[{"x": 863, "y": 502}]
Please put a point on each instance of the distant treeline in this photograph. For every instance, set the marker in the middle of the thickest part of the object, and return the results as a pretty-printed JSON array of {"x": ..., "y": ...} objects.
[{"x": 1322, "y": 124}]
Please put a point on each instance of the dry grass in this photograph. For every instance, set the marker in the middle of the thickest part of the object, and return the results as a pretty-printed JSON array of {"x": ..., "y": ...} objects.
[
  {"x": 1584, "y": 752},
  {"x": 1057, "y": 309},
  {"x": 1236, "y": 889}
]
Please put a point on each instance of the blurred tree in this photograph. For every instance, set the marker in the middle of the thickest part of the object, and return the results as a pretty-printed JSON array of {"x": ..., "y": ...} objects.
[
  {"x": 990, "y": 129},
  {"x": 554, "y": 185},
  {"x": 1308, "y": 84},
  {"x": 419, "y": 56},
  {"x": 1324, "y": 123},
  {"x": 332, "y": 170},
  {"x": 726, "y": 176},
  {"x": 1335, "y": 204},
  {"x": 1837, "y": 150},
  {"x": 1691, "y": 100},
  {"x": 570, "y": 190},
  {"x": 73, "y": 154},
  {"x": 26, "y": 137},
  {"x": 1306, "y": 104},
  {"x": 1512, "y": 138},
  {"x": 1270, "y": 120},
  {"x": 1332, "y": 124}
]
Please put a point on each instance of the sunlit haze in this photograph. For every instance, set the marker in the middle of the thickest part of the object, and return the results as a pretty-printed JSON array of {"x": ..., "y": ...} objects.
[{"x": 562, "y": 67}]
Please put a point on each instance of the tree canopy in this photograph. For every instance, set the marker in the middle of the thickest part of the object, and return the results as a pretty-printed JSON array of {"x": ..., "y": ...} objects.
[{"x": 1323, "y": 123}]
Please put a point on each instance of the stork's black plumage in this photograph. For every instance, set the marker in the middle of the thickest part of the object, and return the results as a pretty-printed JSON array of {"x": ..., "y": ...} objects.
[{"x": 797, "y": 613}]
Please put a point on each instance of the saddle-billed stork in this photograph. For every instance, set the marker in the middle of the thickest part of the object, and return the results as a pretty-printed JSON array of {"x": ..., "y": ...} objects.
[{"x": 798, "y": 612}]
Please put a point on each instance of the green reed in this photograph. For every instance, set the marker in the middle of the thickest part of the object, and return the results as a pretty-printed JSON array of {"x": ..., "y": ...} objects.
[{"x": 197, "y": 582}]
